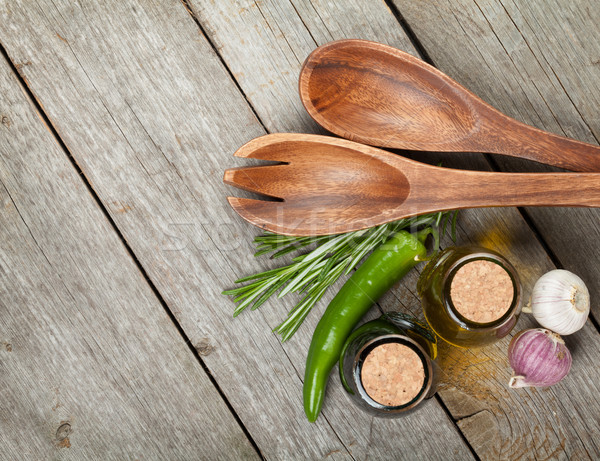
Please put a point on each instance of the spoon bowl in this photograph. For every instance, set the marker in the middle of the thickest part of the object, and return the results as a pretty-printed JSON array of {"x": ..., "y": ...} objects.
[{"x": 363, "y": 97}]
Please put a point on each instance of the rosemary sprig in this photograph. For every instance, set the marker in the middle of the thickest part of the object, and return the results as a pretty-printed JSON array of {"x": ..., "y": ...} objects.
[{"x": 315, "y": 271}]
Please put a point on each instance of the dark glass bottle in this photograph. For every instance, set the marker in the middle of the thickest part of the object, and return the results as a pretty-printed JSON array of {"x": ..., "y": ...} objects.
[
  {"x": 441, "y": 313},
  {"x": 393, "y": 327}
]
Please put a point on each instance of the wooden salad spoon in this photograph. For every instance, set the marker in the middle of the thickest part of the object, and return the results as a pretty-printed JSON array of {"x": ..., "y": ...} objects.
[
  {"x": 378, "y": 95},
  {"x": 326, "y": 185}
]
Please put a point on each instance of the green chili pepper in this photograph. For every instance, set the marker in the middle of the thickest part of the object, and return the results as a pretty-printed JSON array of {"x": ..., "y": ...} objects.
[{"x": 381, "y": 270}]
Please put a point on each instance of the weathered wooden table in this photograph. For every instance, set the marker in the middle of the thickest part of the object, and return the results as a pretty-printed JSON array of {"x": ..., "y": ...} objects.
[{"x": 117, "y": 121}]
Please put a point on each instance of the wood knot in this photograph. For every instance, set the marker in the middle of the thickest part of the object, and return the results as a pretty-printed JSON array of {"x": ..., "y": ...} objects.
[
  {"x": 5, "y": 121},
  {"x": 20, "y": 65},
  {"x": 121, "y": 208},
  {"x": 62, "y": 435},
  {"x": 204, "y": 347}
]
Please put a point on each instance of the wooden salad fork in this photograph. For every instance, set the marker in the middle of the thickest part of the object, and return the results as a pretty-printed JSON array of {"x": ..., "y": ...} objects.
[
  {"x": 378, "y": 95},
  {"x": 326, "y": 185}
]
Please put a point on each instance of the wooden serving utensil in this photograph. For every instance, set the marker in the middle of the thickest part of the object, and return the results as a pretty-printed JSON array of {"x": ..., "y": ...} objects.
[
  {"x": 326, "y": 185},
  {"x": 378, "y": 95}
]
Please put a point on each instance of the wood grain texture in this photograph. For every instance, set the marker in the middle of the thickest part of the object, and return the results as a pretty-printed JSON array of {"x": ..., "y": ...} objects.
[
  {"x": 152, "y": 118},
  {"x": 264, "y": 44},
  {"x": 555, "y": 423},
  {"x": 91, "y": 366},
  {"x": 354, "y": 186},
  {"x": 489, "y": 48},
  {"x": 379, "y": 95}
]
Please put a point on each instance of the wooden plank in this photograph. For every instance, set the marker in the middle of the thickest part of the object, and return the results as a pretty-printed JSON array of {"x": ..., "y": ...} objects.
[
  {"x": 91, "y": 366},
  {"x": 474, "y": 388},
  {"x": 152, "y": 118},
  {"x": 198, "y": 244}
]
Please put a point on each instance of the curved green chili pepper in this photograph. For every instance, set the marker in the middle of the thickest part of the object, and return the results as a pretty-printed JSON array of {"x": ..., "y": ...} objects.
[{"x": 381, "y": 270}]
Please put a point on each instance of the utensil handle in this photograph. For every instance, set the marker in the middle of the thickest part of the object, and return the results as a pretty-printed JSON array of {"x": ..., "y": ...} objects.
[
  {"x": 511, "y": 137},
  {"x": 478, "y": 189}
]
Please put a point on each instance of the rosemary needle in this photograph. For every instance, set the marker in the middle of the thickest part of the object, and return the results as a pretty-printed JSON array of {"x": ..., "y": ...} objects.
[{"x": 313, "y": 272}]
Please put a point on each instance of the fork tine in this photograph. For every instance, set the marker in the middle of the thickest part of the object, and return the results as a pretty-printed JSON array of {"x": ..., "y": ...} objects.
[
  {"x": 289, "y": 219},
  {"x": 257, "y": 212},
  {"x": 278, "y": 217},
  {"x": 274, "y": 181},
  {"x": 323, "y": 184},
  {"x": 272, "y": 147}
]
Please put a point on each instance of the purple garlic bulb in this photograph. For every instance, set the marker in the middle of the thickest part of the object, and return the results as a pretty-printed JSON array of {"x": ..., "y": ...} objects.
[{"x": 538, "y": 357}]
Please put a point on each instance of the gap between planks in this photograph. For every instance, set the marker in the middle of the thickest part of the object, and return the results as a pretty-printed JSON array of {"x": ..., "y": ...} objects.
[
  {"x": 543, "y": 249},
  {"x": 458, "y": 447},
  {"x": 489, "y": 158},
  {"x": 222, "y": 61},
  {"x": 44, "y": 117},
  {"x": 495, "y": 167}
]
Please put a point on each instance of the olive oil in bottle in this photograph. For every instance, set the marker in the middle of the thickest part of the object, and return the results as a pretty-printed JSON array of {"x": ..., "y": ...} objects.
[{"x": 471, "y": 296}]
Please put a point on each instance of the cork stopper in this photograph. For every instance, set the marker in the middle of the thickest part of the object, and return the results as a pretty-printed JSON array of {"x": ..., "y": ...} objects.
[
  {"x": 392, "y": 374},
  {"x": 482, "y": 291}
]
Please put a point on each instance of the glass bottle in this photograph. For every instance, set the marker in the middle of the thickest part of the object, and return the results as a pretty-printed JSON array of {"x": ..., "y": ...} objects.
[
  {"x": 397, "y": 328},
  {"x": 440, "y": 311}
]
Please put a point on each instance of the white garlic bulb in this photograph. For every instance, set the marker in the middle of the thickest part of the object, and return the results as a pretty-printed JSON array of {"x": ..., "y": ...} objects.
[{"x": 560, "y": 302}]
